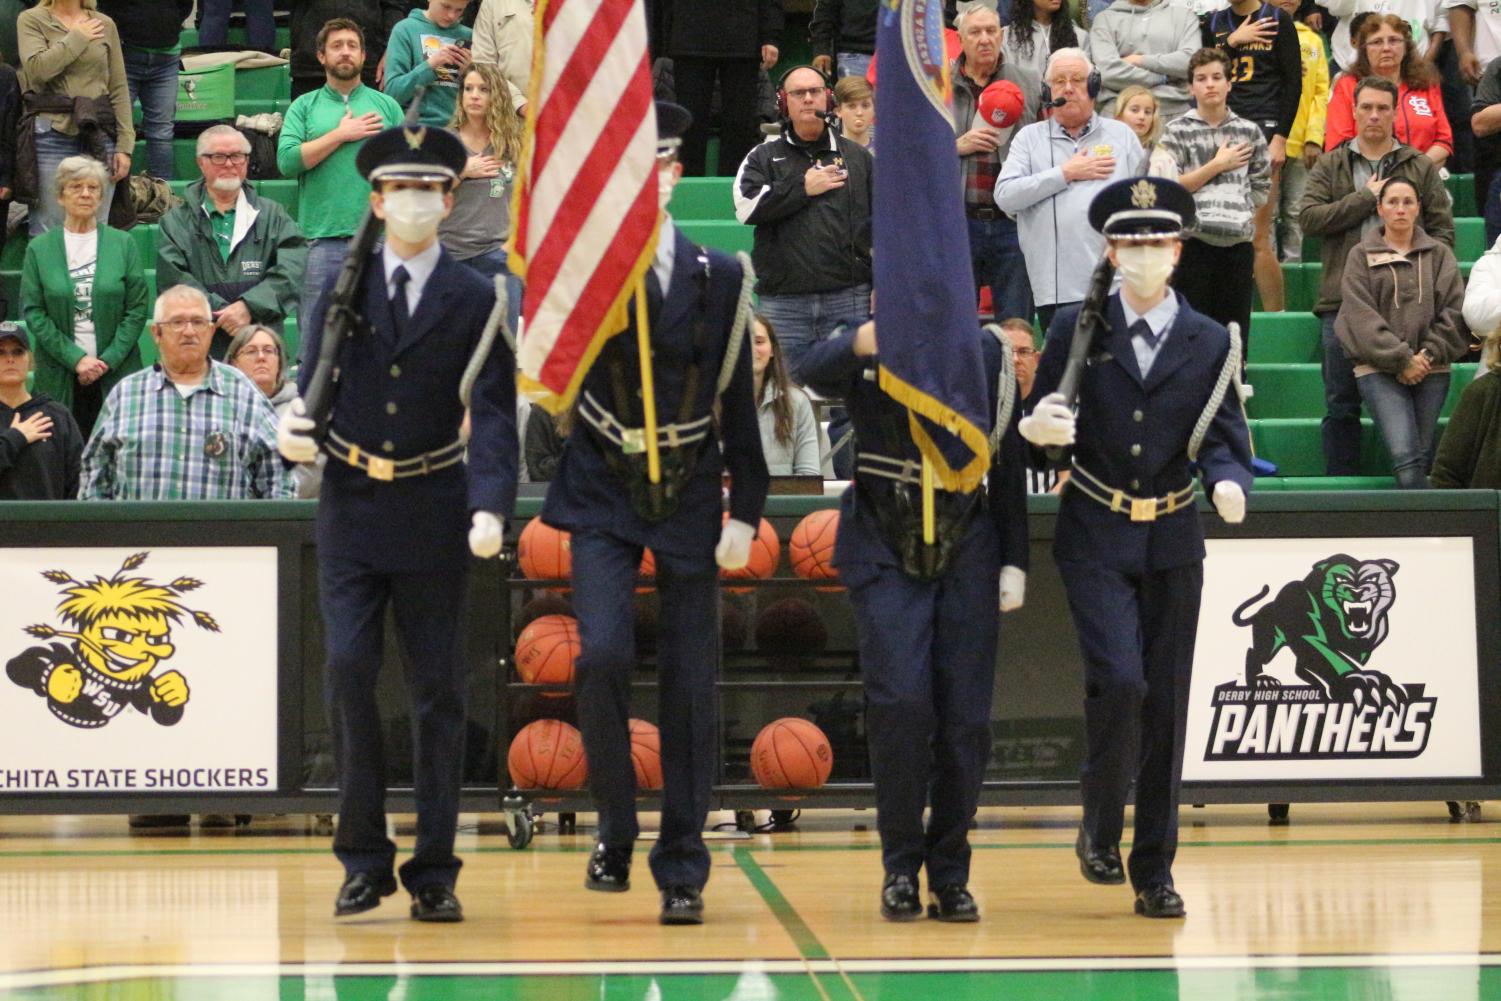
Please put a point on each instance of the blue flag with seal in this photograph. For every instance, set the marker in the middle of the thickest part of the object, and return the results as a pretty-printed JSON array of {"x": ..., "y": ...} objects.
[{"x": 930, "y": 355}]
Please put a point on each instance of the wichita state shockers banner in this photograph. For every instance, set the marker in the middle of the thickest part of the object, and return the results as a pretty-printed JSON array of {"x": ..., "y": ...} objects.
[
  {"x": 1338, "y": 658},
  {"x": 138, "y": 670}
]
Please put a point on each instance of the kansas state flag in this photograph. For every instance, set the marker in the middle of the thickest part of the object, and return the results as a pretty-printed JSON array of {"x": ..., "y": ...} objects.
[{"x": 925, "y": 295}]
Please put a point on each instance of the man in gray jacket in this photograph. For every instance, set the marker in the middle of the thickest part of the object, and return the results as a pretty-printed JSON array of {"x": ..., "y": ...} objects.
[{"x": 1145, "y": 42}]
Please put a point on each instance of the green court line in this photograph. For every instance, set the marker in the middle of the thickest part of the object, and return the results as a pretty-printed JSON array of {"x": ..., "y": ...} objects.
[{"x": 830, "y": 986}]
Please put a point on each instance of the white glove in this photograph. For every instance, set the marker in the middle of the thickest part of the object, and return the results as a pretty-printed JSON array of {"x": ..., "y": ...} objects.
[
  {"x": 292, "y": 439},
  {"x": 1051, "y": 422},
  {"x": 1230, "y": 501},
  {"x": 1013, "y": 588},
  {"x": 733, "y": 551},
  {"x": 485, "y": 534}
]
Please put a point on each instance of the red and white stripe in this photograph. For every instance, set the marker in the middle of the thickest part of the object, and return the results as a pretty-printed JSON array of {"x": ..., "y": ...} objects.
[{"x": 585, "y": 219}]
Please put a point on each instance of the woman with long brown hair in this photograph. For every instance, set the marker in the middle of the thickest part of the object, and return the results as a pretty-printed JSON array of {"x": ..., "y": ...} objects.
[
  {"x": 1384, "y": 48},
  {"x": 789, "y": 428}
]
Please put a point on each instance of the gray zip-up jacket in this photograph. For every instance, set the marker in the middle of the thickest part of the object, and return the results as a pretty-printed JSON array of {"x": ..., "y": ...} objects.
[{"x": 1163, "y": 33}]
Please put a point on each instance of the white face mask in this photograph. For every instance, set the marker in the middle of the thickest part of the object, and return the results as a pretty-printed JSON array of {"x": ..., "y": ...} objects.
[
  {"x": 666, "y": 181},
  {"x": 1145, "y": 269},
  {"x": 413, "y": 214}
]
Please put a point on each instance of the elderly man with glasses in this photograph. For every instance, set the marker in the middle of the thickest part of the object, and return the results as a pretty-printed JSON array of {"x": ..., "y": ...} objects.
[
  {"x": 244, "y": 252},
  {"x": 188, "y": 428}
]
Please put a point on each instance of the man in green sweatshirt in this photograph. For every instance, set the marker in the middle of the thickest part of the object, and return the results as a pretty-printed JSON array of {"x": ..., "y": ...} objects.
[
  {"x": 320, "y": 136},
  {"x": 429, "y": 48}
]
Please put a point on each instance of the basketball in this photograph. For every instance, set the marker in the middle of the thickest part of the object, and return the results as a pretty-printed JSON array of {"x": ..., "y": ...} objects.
[
  {"x": 543, "y": 552},
  {"x": 546, "y": 650},
  {"x": 542, "y": 604},
  {"x": 791, "y": 753},
  {"x": 790, "y": 628},
  {"x": 547, "y": 754},
  {"x": 811, "y": 549},
  {"x": 765, "y": 554},
  {"x": 646, "y": 754}
]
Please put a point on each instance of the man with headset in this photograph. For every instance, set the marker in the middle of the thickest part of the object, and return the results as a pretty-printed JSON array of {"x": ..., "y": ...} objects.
[
  {"x": 808, "y": 194},
  {"x": 1055, "y": 169}
]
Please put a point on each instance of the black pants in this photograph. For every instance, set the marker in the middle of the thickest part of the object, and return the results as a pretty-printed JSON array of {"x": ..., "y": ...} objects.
[
  {"x": 87, "y": 402},
  {"x": 1218, "y": 281},
  {"x": 1046, "y": 313},
  {"x": 693, "y": 79}
]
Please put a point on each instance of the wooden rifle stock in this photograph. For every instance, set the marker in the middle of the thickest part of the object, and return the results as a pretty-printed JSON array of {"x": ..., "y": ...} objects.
[{"x": 1089, "y": 324}]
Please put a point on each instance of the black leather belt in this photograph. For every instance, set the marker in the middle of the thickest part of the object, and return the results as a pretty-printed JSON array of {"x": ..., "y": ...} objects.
[
  {"x": 386, "y": 470},
  {"x": 984, "y": 213}
]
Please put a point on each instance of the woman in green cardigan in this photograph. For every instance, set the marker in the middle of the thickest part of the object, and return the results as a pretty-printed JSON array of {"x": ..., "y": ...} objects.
[{"x": 83, "y": 294}]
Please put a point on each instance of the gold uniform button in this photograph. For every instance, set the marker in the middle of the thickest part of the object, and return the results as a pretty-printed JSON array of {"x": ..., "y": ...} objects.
[
  {"x": 1135, "y": 449},
  {"x": 396, "y": 371},
  {"x": 386, "y": 446},
  {"x": 1138, "y": 416},
  {"x": 390, "y": 408}
]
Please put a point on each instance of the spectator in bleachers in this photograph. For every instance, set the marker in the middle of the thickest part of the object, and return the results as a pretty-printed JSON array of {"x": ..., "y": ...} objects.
[
  {"x": 322, "y": 133},
  {"x": 1146, "y": 42},
  {"x": 260, "y": 23},
  {"x": 188, "y": 428},
  {"x": 376, "y": 20},
  {"x": 1469, "y": 454},
  {"x": 475, "y": 232},
  {"x": 1306, "y": 140},
  {"x": 429, "y": 49},
  {"x": 1034, "y": 31},
  {"x": 1385, "y": 49},
  {"x": 149, "y": 33},
  {"x": 1483, "y": 293},
  {"x": 855, "y": 104},
  {"x": 1476, "y": 31},
  {"x": 40, "y": 444},
  {"x": 83, "y": 296},
  {"x": 994, "y": 248},
  {"x": 731, "y": 42},
  {"x": 1339, "y": 207},
  {"x": 1485, "y": 120},
  {"x": 503, "y": 39},
  {"x": 242, "y": 250},
  {"x": 1223, "y": 160},
  {"x": 843, "y": 33},
  {"x": 1054, "y": 170},
  {"x": 260, "y": 353},
  {"x": 542, "y": 443},
  {"x": 10, "y": 116},
  {"x": 71, "y": 64},
  {"x": 1428, "y": 21},
  {"x": 789, "y": 427},
  {"x": 1399, "y": 322},
  {"x": 808, "y": 194},
  {"x": 1138, "y": 108},
  {"x": 1041, "y": 477}
]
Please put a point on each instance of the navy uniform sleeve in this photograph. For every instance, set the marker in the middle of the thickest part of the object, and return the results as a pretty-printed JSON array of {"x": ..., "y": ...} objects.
[
  {"x": 1007, "y": 477},
  {"x": 494, "y": 443},
  {"x": 741, "y": 432},
  {"x": 1054, "y": 359},
  {"x": 1226, "y": 451},
  {"x": 830, "y": 367}
]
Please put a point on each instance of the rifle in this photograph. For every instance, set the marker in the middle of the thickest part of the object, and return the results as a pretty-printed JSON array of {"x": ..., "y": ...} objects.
[
  {"x": 342, "y": 319},
  {"x": 1089, "y": 324}
]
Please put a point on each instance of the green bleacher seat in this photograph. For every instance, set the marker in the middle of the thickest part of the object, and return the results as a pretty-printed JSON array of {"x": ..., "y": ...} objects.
[
  {"x": 1287, "y": 483},
  {"x": 1469, "y": 238},
  {"x": 1285, "y": 337},
  {"x": 703, "y": 198},
  {"x": 263, "y": 83},
  {"x": 145, "y": 241},
  {"x": 189, "y": 37},
  {"x": 726, "y": 236},
  {"x": 1297, "y": 390},
  {"x": 1462, "y": 189}
]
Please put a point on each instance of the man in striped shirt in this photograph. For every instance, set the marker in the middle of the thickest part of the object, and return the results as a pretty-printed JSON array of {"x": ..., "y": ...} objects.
[{"x": 188, "y": 428}]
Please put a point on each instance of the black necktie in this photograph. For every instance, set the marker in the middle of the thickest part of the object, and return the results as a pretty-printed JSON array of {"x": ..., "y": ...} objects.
[
  {"x": 653, "y": 296},
  {"x": 399, "y": 310},
  {"x": 1143, "y": 329}
]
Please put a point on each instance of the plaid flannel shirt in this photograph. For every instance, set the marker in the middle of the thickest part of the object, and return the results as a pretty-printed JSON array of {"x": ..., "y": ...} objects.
[
  {"x": 152, "y": 443},
  {"x": 979, "y": 170}
]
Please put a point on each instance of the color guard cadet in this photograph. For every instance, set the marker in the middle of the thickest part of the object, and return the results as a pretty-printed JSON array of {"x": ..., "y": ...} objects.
[
  {"x": 1158, "y": 392},
  {"x": 603, "y": 496},
  {"x": 400, "y": 492},
  {"x": 926, "y": 619}
]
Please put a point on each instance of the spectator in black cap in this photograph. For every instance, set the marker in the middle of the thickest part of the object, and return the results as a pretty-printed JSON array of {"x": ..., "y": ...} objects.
[{"x": 40, "y": 444}]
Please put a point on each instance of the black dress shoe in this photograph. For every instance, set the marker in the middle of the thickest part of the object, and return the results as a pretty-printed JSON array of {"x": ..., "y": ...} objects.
[
  {"x": 1159, "y": 901},
  {"x": 1099, "y": 864},
  {"x": 682, "y": 905},
  {"x": 899, "y": 899},
  {"x": 436, "y": 903},
  {"x": 362, "y": 892},
  {"x": 609, "y": 869},
  {"x": 952, "y": 903}
]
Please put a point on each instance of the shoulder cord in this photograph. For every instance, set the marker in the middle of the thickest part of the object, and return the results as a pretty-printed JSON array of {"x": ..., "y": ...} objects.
[
  {"x": 1006, "y": 396},
  {"x": 1229, "y": 373},
  {"x": 741, "y": 323},
  {"x": 495, "y": 324}
]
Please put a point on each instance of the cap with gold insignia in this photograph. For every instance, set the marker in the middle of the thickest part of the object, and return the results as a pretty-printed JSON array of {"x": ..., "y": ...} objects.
[
  {"x": 672, "y": 124},
  {"x": 412, "y": 152},
  {"x": 1142, "y": 208}
]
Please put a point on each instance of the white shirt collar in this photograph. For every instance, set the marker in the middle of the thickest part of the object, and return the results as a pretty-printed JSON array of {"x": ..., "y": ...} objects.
[
  {"x": 419, "y": 268},
  {"x": 661, "y": 264}
]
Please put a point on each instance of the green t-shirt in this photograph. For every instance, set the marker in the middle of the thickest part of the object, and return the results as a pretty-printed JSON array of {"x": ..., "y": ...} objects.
[
  {"x": 223, "y": 225},
  {"x": 331, "y": 197}
]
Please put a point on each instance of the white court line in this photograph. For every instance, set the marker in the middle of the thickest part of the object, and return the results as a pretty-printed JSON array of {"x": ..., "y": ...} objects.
[{"x": 101, "y": 974}]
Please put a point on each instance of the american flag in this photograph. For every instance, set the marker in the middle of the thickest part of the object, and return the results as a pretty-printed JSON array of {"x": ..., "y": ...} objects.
[{"x": 584, "y": 219}]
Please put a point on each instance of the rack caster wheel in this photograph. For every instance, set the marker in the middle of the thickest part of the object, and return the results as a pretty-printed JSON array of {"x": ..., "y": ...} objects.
[
  {"x": 323, "y": 825},
  {"x": 242, "y": 819},
  {"x": 520, "y": 825},
  {"x": 567, "y": 823},
  {"x": 1465, "y": 812},
  {"x": 782, "y": 820},
  {"x": 745, "y": 820},
  {"x": 1276, "y": 814}
]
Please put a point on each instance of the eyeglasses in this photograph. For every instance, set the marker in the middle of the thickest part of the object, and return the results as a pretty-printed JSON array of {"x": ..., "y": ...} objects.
[
  {"x": 1387, "y": 43},
  {"x": 191, "y": 323},
  {"x": 79, "y": 187},
  {"x": 805, "y": 92},
  {"x": 221, "y": 159},
  {"x": 1024, "y": 352},
  {"x": 269, "y": 351}
]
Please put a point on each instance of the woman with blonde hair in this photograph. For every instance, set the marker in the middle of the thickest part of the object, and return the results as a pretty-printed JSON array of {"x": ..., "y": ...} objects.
[{"x": 1137, "y": 107}]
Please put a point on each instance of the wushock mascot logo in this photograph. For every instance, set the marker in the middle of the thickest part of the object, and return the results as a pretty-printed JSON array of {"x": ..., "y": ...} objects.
[
  {"x": 1332, "y": 622},
  {"x": 121, "y": 633}
]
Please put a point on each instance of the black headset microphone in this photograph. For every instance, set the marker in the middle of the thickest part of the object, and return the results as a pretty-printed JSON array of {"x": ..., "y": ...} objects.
[{"x": 1060, "y": 102}]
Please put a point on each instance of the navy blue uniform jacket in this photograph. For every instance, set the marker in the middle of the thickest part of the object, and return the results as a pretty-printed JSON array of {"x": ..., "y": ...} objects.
[
  {"x": 587, "y": 495},
  {"x": 832, "y": 368},
  {"x": 399, "y": 399},
  {"x": 1133, "y": 435}
]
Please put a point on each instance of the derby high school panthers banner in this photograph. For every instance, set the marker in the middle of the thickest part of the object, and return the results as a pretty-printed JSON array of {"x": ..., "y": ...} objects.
[
  {"x": 138, "y": 670},
  {"x": 1342, "y": 658},
  {"x": 929, "y": 353}
]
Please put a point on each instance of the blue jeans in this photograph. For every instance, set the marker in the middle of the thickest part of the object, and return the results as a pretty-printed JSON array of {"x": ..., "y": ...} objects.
[
  {"x": 52, "y": 148},
  {"x": 324, "y": 259},
  {"x": 152, "y": 78},
  {"x": 493, "y": 263},
  {"x": 260, "y": 27},
  {"x": 804, "y": 319},
  {"x": 996, "y": 255},
  {"x": 1341, "y": 406},
  {"x": 1407, "y": 417},
  {"x": 853, "y": 64}
]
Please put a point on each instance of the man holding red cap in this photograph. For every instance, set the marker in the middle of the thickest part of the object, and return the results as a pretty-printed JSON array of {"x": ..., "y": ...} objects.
[{"x": 1055, "y": 169}]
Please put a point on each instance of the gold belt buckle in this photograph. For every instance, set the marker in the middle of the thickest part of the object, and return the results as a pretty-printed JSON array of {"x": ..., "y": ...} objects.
[
  {"x": 633, "y": 440},
  {"x": 384, "y": 469},
  {"x": 1143, "y": 508}
]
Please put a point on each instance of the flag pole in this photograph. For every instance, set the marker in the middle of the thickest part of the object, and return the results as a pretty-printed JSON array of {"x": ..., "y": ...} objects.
[
  {"x": 928, "y": 531},
  {"x": 648, "y": 389}
]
